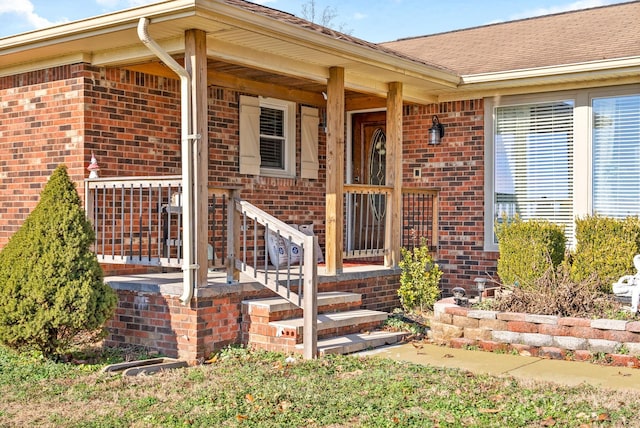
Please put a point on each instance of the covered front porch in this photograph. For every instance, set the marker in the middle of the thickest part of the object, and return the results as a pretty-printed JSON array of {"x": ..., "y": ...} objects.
[
  {"x": 213, "y": 227},
  {"x": 138, "y": 223}
]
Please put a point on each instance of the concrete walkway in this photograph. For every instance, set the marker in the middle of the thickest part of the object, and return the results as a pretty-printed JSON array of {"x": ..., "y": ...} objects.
[{"x": 563, "y": 372}]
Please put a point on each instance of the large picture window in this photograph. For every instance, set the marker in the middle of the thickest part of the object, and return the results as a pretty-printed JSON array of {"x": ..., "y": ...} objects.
[
  {"x": 533, "y": 158},
  {"x": 616, "y": 156},
  {"x": 562, "y": 156}
]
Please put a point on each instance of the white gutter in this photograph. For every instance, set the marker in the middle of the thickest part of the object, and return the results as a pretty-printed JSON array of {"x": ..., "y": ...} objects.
[
  {"x": 593, "y": 69},
  {"x": 188, "y": 265}
]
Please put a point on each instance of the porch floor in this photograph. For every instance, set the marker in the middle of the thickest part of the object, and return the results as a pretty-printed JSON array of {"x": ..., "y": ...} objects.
[{"x": 171, "y": 282}]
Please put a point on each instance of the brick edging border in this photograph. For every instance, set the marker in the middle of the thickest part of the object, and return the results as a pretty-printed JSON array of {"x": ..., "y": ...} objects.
[{"x": 547, "y": 336}]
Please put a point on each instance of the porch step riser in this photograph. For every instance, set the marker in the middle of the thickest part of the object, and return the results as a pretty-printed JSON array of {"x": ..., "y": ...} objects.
[
  {"x": 266, "y": 330},
  {"x": 277, "y": 325},
  {"x": 334, "y": 320},
  {"x": 344, "y": 344},
  {"x": 263, "y": 314},
  {"x": 271, "y": 343},
  {"x": 329, "y": 325},
  {"x": 296, "y": 337}
]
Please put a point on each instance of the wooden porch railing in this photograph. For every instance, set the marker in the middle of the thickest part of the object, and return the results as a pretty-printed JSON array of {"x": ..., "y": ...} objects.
[
  {"x": 297, "y": 282},
  {"x": 366, "y": 207},
  {"x": 138, "y": 220},
  {"x": 420, "y": 217}
]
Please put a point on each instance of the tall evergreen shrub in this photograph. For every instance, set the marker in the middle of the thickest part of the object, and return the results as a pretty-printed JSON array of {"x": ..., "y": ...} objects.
[
  {"x": 528, "y": 249},
  {"x": 51, "y": 285}
]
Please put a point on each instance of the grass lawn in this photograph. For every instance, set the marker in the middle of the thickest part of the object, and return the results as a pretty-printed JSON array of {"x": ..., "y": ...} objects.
[{"x": 242, "y": 388}]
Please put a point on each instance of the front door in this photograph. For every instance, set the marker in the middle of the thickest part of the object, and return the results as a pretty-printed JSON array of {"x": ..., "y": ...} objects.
[{"x": 365, "y": 226}]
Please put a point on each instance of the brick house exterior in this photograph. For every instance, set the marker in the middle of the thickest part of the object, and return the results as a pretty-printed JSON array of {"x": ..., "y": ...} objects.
[{"x": 129, "y": 117}]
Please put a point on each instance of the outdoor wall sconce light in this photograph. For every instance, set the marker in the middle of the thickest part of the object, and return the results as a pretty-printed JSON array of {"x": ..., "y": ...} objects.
[{"x": 436, "y": 132}]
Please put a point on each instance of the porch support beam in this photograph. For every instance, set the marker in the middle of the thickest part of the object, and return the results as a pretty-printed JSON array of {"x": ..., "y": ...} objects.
[
  {"x": 335, "y": 171},
  {"x": 393, "y": 176},
  {"x": 196, "y": 66}
]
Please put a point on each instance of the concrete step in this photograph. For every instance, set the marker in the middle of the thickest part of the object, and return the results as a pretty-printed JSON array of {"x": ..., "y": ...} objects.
[
  {"x": 339, "y": 322},
  {"x": 356, "y": 342},
  {"x": 326, "y": 302}
]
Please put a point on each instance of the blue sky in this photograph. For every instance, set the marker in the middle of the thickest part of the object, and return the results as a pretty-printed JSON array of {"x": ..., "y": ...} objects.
[{"x": 372, "y": 20}]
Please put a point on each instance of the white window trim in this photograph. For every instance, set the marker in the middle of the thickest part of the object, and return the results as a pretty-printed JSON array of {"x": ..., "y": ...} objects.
[
  {"x": 582, "y": 153},
  {"x": 289, "y": 108}
]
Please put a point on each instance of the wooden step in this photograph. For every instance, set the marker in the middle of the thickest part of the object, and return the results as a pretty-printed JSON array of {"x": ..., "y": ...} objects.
[
  {"x": 278, "y": 308},
  {"x": 350, "y": 343},
  {"x": 337, "y": 323},
  {"x": 285, "y": 335}
]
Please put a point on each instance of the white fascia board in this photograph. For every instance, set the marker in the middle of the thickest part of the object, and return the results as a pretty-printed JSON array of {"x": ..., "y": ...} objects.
[
  {"x": 594, "y": 68},
  {"x": 102, "y": 24},
  {"x": 337, "y": 47},
  {"x": 40, "y": 64}
]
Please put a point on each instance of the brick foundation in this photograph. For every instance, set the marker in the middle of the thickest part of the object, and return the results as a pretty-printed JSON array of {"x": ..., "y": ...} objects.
[{"x": 152, "y": 316}]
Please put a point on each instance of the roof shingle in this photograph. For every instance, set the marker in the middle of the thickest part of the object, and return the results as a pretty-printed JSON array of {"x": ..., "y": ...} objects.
[{"x": 566, "y": 38}]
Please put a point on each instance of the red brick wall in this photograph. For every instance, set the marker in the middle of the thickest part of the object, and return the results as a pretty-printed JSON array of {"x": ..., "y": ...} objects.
[
  {"x": 162, "y": 323},
  {"x": 41, "y": 126},
  {"x": 293, "y": 200},
  {"x": 132, "y": 123},
  {"x": 456, "y": 166}
]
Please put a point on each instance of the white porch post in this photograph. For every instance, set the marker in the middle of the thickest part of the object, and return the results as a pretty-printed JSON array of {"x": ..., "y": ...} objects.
[
  {"x": 393, "y": 227},
  {"x": 335, "y": 171},
  {"x": 196, "y": 66}
]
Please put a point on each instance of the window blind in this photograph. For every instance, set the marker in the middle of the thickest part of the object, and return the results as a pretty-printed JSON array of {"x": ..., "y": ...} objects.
[
  {"x": 534, "y": 162},
  {"x": 272, "y": 138},
  {"x": 616, "y": 156}
]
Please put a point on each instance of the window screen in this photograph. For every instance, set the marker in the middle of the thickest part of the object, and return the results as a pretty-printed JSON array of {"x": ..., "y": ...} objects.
[{"x": 616, "y": 156}]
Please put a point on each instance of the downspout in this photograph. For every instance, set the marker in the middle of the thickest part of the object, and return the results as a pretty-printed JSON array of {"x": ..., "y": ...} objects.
[{"x": 188, "y": 265}]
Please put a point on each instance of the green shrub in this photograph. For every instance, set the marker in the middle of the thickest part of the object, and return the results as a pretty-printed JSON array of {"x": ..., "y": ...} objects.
[
  {"x": 528, "y": 249},
  {"x": 419, "y": 278},
  {"x": 605, "y": 248},
  {"x": 51, "y": 285}
]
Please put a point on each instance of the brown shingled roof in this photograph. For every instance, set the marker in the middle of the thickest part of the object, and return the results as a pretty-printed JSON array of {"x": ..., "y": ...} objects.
[{"x": 566, "y": 38}]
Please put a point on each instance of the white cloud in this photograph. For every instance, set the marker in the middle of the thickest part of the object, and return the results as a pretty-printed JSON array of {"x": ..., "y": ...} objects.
[
  {"x": 359, "y": 15},
  {"x": 25, "y": 10}
]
